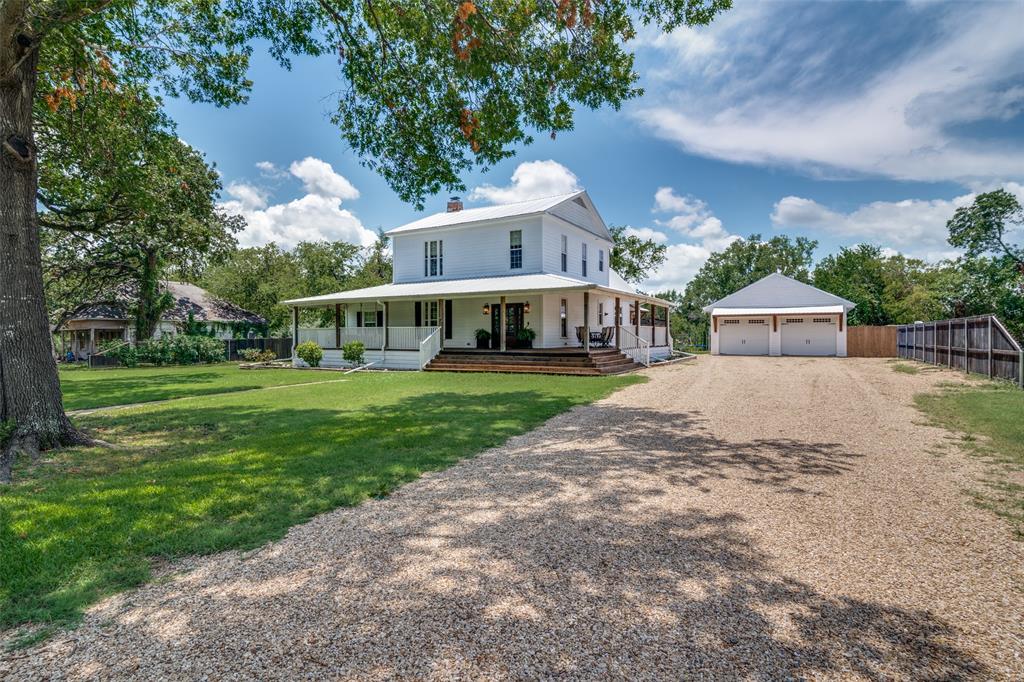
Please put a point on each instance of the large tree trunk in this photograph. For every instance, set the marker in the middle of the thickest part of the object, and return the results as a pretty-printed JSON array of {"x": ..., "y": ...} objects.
[{"x": 31, "y": 410}]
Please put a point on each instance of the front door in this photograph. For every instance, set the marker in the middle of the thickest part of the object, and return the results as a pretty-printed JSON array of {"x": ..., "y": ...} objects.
[{"x": 514, "y": 321}]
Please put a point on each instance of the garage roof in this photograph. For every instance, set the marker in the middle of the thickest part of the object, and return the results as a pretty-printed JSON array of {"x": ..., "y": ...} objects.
[{"x": 780, "y": 295}]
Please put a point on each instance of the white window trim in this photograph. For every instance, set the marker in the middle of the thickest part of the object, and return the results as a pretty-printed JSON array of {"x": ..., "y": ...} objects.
[
  {"x": 512, "y": 248},
  {"x": 565, "y": 253}
]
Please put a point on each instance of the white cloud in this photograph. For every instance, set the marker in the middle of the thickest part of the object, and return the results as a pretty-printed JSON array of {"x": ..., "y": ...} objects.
[
  {"x": 318, "y": 215},
  {"x": 820, "y": 87},
  {"x": 653, "y": 235},
  {"x": 694, "y": 221},
  {"x": 318, "y": 177},
  {"x": 531, "y": 180},
  {"x": 914, "y": 227}
]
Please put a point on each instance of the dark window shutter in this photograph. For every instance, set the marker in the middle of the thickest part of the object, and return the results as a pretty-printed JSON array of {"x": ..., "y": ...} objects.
[
  {"x": 380, "y": 318},
  {"x": 448, "y": 318},
  {"x": 359, "y": 318},
  {"x": 419, "y": 314}
]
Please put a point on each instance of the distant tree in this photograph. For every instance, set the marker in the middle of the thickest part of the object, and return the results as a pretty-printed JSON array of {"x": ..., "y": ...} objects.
[
  {"x": 858, "y": 275},
  {"x": 634, "y": 258},
  {"x": 375, "y": 266},
  {"x": 745, "y": 261},
  {"x": 258, "y": 279},
  {"x": 981, "y": 228}
]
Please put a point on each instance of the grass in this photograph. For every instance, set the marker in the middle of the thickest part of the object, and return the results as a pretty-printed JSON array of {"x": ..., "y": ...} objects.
[
  {"x": 86, "y": 388},
  {"x": 990, "y": 417},
  {"x": 233, "y": 471},
  {"x": 904, "y": 368}
]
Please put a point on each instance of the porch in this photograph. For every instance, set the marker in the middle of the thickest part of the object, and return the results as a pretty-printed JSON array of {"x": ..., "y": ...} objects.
[{"x": 409, "y": 332}]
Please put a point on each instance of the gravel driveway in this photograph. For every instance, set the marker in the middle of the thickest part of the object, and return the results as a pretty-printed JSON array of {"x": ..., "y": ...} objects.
[{"x": 756, "y": 517}]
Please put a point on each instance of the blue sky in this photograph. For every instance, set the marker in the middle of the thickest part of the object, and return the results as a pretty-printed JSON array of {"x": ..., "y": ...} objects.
[{"x": 844, "y": 122}]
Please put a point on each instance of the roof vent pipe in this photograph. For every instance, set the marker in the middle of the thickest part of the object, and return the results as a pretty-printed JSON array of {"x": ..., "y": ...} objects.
[{"x": 454, "y": 205}]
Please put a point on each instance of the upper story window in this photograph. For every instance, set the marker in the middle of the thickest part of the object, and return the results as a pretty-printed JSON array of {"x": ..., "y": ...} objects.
[
  {"x": 515, "y": 249},
  {"x": 433, "y": 258},
  {"x": 565, "y": 253},
  {"x": 584, "y": 261},
  {"x": 600, "y": 260}
]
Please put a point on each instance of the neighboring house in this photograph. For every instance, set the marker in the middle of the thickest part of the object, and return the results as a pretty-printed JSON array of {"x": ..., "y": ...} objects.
[
  {"x": 534, "y": 268},
  {"x": 778, "y": 315},
  {"x": 91, "y": 325}
]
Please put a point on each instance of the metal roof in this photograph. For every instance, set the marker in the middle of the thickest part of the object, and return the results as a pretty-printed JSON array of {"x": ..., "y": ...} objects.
[
  {"x": 776, "y": 292},
  {"x": 469, "y": 287},
  {"x": 812, "y": 310},
  {"x": 485, "y": 213}
]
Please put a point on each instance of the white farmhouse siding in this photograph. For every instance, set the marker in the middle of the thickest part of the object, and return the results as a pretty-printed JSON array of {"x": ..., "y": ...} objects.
[
  {"x": 469, "y": 250},
  {"x": 778, "y": 315}
]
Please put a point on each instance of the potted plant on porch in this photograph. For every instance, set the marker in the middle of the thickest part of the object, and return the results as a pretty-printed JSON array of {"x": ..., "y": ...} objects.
[
  {"x": 483, "y": 338},
  {"x": 525, "y": 337}
]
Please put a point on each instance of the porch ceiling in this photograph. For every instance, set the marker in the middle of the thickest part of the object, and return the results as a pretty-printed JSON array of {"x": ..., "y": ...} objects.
[{"x": 466, "y": 288}]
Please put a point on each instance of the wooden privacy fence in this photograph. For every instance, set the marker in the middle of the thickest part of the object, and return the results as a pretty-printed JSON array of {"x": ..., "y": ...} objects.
[
  {"x": 979, "y": 345},
  {"x": 282, "y": 347},
  {"x": 871, "y": 342}
]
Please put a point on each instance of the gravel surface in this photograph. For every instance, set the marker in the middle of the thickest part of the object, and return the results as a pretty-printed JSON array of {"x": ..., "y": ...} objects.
[{"x": 755, "y": 517}]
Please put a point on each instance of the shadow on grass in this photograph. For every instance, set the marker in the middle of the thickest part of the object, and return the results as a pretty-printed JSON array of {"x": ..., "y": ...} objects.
[{"x": 573, "y": 554}]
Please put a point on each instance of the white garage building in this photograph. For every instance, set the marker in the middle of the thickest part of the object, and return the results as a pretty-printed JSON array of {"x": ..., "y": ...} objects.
[{"x": 778, "y": 315}]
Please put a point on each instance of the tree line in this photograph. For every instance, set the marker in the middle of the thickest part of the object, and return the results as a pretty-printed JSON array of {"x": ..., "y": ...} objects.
[{"x": 887, "y": 288}]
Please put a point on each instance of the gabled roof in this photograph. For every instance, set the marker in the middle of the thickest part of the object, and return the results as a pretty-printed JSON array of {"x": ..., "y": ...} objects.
[
  {"x": 188, "y": 298},
  {"x": 503, "y": 211},
  {"x": 477, "y": 286},
  {"x": 776, "y": 291}
]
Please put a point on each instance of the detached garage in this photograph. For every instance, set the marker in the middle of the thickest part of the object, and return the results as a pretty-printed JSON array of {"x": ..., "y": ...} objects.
[{"x": 778, "y": 315}]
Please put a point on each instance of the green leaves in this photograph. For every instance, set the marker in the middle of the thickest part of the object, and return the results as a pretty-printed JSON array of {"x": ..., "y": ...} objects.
[
  {"x": 981, "y": 227},
  {"x": 634, "y": 258}
]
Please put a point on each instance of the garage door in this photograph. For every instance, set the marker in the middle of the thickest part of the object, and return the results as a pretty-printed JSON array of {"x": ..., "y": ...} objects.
[
  {"x": 808, "y": 336},
  {"x": 744, "y": 336}
]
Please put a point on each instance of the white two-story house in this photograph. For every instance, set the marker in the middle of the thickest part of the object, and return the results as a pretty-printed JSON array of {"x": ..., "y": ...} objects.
[{"x": 526, "y": 278}]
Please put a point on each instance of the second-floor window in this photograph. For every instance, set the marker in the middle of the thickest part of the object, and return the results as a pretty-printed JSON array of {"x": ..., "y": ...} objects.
[
  {"x": 600, "y": 260},
  {"x": 515, "y": 249},
  {"x": 584, "y": 261},
  {"x": 565, "y": 253},
  {"x": 433, "y": 258}
]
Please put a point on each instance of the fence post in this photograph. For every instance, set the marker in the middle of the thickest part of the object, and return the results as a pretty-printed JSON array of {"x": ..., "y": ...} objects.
[
  {"x": 989, "y": 346},
  {"x": 967, "y": 347}
]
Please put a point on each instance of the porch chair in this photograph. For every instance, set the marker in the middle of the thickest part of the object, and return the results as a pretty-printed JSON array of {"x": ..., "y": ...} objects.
[
  {"x": 579, "y": 335},
  {"x": 607, "y": 334}
]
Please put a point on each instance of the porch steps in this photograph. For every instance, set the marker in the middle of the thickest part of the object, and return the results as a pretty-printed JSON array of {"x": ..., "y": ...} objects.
[{"x": 537, "y": 361}]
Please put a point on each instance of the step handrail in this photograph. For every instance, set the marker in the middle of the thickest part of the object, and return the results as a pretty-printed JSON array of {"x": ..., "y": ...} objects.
[
  {"x": 639, "y": 350},
  {"x": 430, "y": 347}
]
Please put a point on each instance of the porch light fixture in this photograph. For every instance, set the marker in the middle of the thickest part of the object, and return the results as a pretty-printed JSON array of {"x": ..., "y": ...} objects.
[
  {"x": 487, "y": 308},
  {"x": 526, "y": 308}
]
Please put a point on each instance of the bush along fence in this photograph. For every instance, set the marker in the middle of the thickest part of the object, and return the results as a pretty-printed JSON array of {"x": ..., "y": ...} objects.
[
  {"x": 281, "y": 347},
  {"x": 979, "y": 345}
]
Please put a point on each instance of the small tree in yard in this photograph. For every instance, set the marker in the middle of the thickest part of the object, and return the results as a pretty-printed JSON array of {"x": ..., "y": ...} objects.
[
  {"x": 310, "y": 353},
  {"x": 353, "y": 352}
]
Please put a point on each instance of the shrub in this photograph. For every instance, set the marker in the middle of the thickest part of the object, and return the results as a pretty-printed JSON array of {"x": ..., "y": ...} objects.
[
  {"x": 257, "y": 355},
  {"x": 310, "y": 353},
  {"x": 353, "y": 352},
  {"x": 181, "y": 350},
  {"x": 125, "y": 353}
]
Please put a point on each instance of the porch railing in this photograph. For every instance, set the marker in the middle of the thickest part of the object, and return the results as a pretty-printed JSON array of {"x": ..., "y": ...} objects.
[
  {"x": 637, "y": 349},
  {"x": 408, "y": 338},
  {"x": 430, "y": 346},
  {"x": 372, "y": 337}
]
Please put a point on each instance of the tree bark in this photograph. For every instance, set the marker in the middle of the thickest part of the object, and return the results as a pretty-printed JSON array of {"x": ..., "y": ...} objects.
[{"x": 31, "y": 408}]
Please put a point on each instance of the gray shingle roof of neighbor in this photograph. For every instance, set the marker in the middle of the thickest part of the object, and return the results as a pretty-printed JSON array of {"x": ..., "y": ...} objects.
[
  {"x": 188, "y": 298},
  {"x": 778, "y": 291}
]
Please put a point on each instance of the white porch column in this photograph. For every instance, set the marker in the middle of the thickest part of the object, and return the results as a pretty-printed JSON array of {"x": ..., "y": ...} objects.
[
  {"x": 384, "y": 345},
  {"x": 637, "y": 330},
  {"x": 92, "y": 340},
  {"x": 337, "y": 325},
  {"x": 586, "y": 321},
  {"x": 501, "y": 323},
  {"x": 618, "y": 323},
  {"x": 440, "y": 320}
]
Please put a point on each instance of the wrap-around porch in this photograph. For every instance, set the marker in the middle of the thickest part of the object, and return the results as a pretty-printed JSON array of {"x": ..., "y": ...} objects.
[{"x": 409, "y": 333}]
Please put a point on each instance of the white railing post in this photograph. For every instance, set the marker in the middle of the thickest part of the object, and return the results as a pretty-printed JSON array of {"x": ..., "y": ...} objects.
[
  {"x": 636, "y": 348},
  {"x": 430, "y": 347}
]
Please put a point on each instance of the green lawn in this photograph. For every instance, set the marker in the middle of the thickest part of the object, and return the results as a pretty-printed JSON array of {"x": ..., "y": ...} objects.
[
  {"x": 84, "y": 387},
  {"x": 991, "y": 418},
  {"x": 238, "y": 469}
]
